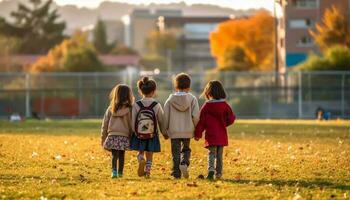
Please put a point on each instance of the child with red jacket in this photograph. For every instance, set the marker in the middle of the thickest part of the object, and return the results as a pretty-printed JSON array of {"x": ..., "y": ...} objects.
[{"x": 215, "y": 116}]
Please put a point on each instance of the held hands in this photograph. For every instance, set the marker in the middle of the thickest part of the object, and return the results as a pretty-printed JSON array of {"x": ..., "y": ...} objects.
[
  {"x": 196, "y": 138},
  {"x": 166, "y": 136}
]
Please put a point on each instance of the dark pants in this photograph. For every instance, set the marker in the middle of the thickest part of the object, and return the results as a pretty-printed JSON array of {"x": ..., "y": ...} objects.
[
  {"x": 181, "y": 153},
  {"x": 118, "y": 155},
  {"x": 215, "y": 155}
]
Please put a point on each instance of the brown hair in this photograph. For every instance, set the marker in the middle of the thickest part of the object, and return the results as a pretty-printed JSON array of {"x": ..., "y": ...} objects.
[
  {"x": 120, "y": 96},
  {"x": 214, "y": 89},
  {"x": 182, "y": 81},
  {"x": 146, "y": 85}
]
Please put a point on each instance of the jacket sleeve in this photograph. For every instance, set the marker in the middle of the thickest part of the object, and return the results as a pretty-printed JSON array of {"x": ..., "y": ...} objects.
[
  {"x": 230, "y": 116},
  {"x": 195, "y": 111},
  {"x": 160, "y": 118},
  {"x": 104, "y": 127},
  {"x": 166, "y": 116},
  {"x": 201, "y": 126},
  {"x": 133, "y": 117},
  {"x": 130, "y": 123}
]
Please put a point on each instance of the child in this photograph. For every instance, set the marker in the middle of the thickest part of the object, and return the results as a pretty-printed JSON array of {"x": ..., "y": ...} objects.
[
  {"x": 215, "y": 116},
  {"x": 181, "y": 115},
  {"x": 116, "y": 126},
  {"x": 147, "y": 114}
]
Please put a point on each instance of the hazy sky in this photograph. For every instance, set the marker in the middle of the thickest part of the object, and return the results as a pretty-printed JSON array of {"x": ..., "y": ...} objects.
[{"x": 237, "y": 4}]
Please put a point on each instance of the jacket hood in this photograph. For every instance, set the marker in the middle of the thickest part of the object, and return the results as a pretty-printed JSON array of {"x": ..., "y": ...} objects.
[
  {"x": 180, "y": 101},
  {"x": 121, "y": 112}
]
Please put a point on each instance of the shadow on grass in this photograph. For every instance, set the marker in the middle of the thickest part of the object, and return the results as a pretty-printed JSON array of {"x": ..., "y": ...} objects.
[{"x": 321, "y": 183}]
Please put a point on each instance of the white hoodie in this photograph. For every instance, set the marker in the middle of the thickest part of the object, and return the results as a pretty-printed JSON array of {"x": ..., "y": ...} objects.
[{"x": 181, "y": 115}]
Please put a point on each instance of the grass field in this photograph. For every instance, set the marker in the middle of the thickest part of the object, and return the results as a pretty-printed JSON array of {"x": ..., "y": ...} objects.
[{"x": 265, "y": 160}]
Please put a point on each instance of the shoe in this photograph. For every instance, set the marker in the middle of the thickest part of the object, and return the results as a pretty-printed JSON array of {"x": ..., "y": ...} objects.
[
  {"x": 218, "y": 176},
  {"x": 147, "y": 175},
  {"x": 211, "y": 175},
  {"x": 184, "y": 171},
  {"x": 141, "y": 169},
  {"x": 120, "y": 175},
  {"x": 114, "y": 174}
]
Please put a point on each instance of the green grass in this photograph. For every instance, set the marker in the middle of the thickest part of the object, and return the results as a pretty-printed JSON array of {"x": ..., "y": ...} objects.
[{"x": 265, "y": 160}]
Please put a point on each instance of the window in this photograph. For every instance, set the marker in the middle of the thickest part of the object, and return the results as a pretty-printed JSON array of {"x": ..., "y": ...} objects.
[
  {"x": 199, "y": 30},
  {"x": 300, "y": 23},
  {"x": 305, "y": 41},
  {"x": 305, "y": 3}
]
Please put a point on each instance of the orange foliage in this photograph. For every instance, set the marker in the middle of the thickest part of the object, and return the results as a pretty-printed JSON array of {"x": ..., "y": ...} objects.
[{"x": 254, "y": 35}]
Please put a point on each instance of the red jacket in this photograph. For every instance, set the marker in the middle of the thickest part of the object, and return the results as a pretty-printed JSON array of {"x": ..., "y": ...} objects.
[{"x": 215, "y": 116}]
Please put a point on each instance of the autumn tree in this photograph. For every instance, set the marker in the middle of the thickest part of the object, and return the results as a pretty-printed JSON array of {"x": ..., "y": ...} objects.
[
  {"x": 235, "y": 58},
  {"x": 159, "y": 42},
  {"x": 334, "y": 30},
  {"x": 100, "y": 38},
  {"x": 251, "y": 36},
  {"x": 35, "y": 25},
  {"x": 72, "y": 55}
]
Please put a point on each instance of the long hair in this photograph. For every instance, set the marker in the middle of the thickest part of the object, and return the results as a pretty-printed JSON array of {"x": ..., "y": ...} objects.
[{"x": 120, "y": 96}]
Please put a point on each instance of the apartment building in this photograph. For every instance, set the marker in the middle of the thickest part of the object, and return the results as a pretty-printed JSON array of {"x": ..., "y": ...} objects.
[
  {"x": 193, "y": 49},
  {"x": 295, "y": 18}
]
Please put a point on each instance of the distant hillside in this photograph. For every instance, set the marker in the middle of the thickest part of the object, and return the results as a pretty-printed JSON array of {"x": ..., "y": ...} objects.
[{"x": 80, "y": 17}]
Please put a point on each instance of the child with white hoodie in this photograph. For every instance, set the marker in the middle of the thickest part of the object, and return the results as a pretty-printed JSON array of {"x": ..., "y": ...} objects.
[{"x": 181, "y": 115}]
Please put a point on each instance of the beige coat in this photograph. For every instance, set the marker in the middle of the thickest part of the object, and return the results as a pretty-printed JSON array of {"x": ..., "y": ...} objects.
[
  {"x": 181, "y": 115},
  {"x": 158, "y": 110},
  {"x": 117, "y": 124}
]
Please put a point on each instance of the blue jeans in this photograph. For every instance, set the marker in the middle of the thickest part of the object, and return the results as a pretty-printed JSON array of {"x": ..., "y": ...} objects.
[{"x": 215, "y": 157}]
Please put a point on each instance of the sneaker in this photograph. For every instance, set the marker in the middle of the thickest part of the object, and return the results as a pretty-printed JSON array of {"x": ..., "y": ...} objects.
[
  {"x": 211, "y": 175},
  {"x": 120, "y": 175},
  {"x": 141, "y": 169},
  {"x": 147, "y": 175},
  {"x": 184, "y": 171},
  {"x": 218, "y": 176},
  {"x": 114, "y": 173}
]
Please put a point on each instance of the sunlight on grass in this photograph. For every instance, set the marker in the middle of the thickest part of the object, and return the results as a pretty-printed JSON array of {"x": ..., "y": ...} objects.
[{"x": 265, "y": 159}]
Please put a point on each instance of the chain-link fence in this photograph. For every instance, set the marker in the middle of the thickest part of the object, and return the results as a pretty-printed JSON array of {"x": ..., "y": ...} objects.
[{"x": 251, "y": 95}]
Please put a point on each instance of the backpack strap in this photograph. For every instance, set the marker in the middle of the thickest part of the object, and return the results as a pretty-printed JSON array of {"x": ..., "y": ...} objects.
[
  {"x": 140, "y": 104},
  {"x": 153, "y": 104}
]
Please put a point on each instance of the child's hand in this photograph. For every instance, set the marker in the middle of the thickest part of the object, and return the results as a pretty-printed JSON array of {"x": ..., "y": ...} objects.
[
  {"x": 166, "y": 137},
  {"x": 196, "y": 138}
]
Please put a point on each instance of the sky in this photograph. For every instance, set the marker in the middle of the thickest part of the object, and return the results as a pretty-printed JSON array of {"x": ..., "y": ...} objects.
[{"x": 236, "y": 4}]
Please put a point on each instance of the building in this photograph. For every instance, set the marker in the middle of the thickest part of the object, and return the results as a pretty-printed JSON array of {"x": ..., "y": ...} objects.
[
  {"x": 139, "y": 23},
  {"x": 193, "y": 49},
  {"x": 295, "y": 18}
]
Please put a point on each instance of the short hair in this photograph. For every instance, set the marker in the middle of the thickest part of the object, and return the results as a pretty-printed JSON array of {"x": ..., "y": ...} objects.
[
  {"x": 182, "y": 81},
  {"x": 215, "y": 90},
  {"x": 146, "y": 85}
]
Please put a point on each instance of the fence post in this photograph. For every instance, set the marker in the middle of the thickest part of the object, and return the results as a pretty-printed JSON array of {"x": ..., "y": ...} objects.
[
  {"x": 28, "y": 88},
  {"x": 343, "y": 96},
  {"x": 80, "y": 95},
  {"x": 300, "y": 92},
  {"x": 97, "y": 100}
]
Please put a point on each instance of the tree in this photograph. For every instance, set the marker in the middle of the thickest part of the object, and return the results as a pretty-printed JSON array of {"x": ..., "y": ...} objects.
[
  {"x": 123, "y": 50},
  {"x": 8, "y": 45},
  {"x": 100, "y": 38},
  {"x": 159, "y": 42},
  {"x": 235, "y": 58},
  {"x": 72, "y": 55},
  {"x": 35, "y": 26},
  {"x": 334, "y": 30},
  {"x": 336, "y": 58},
  {"x": 254, "y": 35}
]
